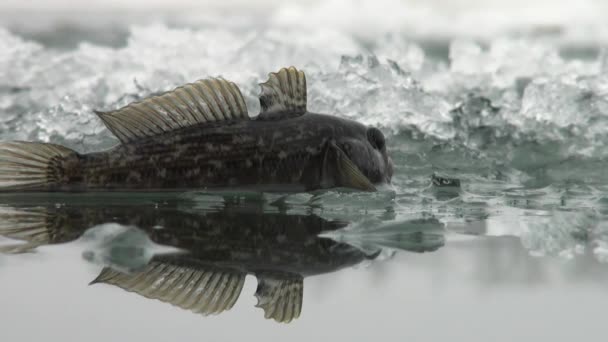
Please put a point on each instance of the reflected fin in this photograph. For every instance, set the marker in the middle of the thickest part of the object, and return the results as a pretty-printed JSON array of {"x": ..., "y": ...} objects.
[
  {"x": 207, "y": 100},
  {"x": 283, "y": 94},
  {"x": 29, "y": 226},
  {"x": 372, "y": 235},
  {"x": 207, "y": 292},
  {"x": 280, "y": 297}
]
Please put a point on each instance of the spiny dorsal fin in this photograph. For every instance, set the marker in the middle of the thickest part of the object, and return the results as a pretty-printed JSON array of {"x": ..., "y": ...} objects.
[
  {"x": 212, "y": 99},
  {"x": 284, "y": 93},
  {"x": 280, "y": 296},
  {"x": 199, "y": 290}
]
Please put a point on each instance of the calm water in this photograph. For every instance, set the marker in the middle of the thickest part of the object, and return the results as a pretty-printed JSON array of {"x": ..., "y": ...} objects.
[
  {"x": 384, "y": 274},
  {"x": 495, "y": 226}
]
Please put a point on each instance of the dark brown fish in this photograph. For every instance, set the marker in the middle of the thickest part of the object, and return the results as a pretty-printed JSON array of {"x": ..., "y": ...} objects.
[{"x": 200, "y": 136}]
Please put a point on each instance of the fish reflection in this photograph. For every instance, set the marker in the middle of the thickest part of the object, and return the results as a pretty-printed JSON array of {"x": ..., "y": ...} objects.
[
  {"x": 222, "y": 248},
  {"x": 219, "y": 248}
]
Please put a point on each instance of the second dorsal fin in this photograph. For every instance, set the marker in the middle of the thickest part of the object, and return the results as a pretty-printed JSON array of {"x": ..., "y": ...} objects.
[
  {"x": 283, "y": 94},
  {"x": 207, "y": 100},
  {"x": 204, "y": 291},
  {"x": 280, "y": 295}
]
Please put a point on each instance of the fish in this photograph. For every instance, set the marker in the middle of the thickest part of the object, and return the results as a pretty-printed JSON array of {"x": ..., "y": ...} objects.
[
  {"x": 219, "y": 248},
  {"x": 200, "y": 136}
]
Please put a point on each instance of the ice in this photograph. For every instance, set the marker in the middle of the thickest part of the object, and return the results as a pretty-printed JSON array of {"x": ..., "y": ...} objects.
[
  {"x": 562, "y": 233},
  {"x": 124, "y": 248},
  {"x": 55, "y": 92},
  {"x": 372, "y": 236},
  {"x": 392, "y": 84},
  {"x": 569, "y": 113},
  {"x": 398, "y": 48},
  {"x": 380, "y": 92},
  {"x": 506, "y": 60}
]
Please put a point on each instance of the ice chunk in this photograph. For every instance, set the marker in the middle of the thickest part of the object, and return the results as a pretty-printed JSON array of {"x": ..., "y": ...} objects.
[
  {"x": 570, "y": 113},
  {"x": 379, "y": 93},
  {"x": 50, "y": 95},
  {"x": 124, "y": 248},
  {"x": 563, "y": 233},
  {"x": 398, "y": 48}
]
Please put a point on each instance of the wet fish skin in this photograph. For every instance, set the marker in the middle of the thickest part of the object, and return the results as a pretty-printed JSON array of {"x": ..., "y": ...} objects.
[{"x": 276, "y": 155}]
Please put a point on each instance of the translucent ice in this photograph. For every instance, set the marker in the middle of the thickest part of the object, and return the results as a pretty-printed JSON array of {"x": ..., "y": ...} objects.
[
  {"x": 123, "y": 248},
  {"x": 561, "y": 233}
]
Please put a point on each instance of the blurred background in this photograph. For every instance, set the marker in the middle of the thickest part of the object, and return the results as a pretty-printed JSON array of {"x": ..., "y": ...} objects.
[{"x": 573, "y": 25}]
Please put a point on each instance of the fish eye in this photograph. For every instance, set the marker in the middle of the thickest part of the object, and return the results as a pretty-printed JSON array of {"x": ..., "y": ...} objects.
[{"x": 375, "y": 138}]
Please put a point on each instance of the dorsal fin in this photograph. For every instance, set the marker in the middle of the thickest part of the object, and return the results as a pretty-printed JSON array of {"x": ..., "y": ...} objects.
[
  {"x": 204, "y": 291},
  {"x": 280, "y": 296},
  {"x": 207, "y": 100},
  {"x": 283, "y": 94}
]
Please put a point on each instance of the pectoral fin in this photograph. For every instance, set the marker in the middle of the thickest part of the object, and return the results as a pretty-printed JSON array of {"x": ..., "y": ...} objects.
[
  {"x": 204, "y": 291},
  {"x": 342, "y": 172}
]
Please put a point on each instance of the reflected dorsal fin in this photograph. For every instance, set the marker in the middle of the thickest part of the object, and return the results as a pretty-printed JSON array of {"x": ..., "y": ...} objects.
[
  {"x": 212, "y": 99},
  {"x": 199, "y": 290},
  {"x": 280, "y": 296},
  {"x": 283, "y": 94}
]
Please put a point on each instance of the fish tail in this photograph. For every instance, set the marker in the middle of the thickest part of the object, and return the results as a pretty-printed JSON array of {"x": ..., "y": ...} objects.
[
  {"x": 34, "y": 166},
  {"x": 30, "y": 227}
]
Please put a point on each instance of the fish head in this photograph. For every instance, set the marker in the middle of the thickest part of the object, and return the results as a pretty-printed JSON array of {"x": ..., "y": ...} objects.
[{"x": 366, "y": 147}]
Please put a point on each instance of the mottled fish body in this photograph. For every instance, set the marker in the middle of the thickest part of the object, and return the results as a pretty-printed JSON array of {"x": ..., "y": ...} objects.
[{"x": 200, "y": 136}]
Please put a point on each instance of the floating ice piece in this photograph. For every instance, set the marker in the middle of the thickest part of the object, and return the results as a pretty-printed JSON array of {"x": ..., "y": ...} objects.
[
  {"x": 124, "y": 248},
  {"x": 372, "y": 236}
]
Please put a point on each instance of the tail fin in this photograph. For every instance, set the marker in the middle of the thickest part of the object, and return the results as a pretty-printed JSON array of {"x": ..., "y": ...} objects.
[
  {"x": 29, "y": 226},
  {"x": 33, "y": 166}
]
